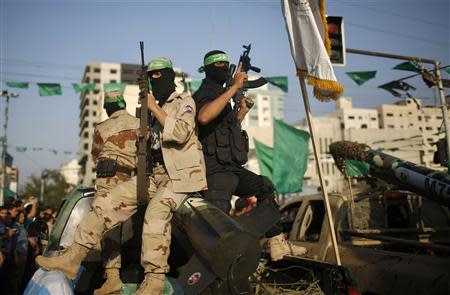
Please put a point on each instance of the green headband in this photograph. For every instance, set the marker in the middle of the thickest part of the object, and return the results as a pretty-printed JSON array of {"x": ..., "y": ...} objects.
[
  {"x": 159, "y": 64},
  {"x": 114, "y": 92},
  {"x": 212, "y": 59}
]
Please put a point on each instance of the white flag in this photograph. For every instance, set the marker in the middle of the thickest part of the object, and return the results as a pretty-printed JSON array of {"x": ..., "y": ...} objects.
[{"x": 308, "y": 34}]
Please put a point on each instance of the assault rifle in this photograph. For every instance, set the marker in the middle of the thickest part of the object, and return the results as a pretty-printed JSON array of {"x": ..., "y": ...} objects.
[
  {"x": 246, "y": 66},
  {"x": 142, "y": 113}
]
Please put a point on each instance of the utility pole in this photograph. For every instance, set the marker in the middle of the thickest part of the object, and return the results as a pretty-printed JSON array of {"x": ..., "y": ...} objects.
[
  {"x": 4, "y": 145},
  {"x": 439, "y": 85}
]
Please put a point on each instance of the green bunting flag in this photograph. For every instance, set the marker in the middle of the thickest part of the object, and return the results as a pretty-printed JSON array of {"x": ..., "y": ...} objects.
[
  {"x": 279, "y": 81},
  {"x": 67, "y": 152},
  {"x": 447, "y": 69},
  {"x": 361, "y": 77},
  {"x": 22, "y": 85},
  {"x": 408, "y": 66},
  {"x": 194, "y": 85},
  {"x": 49, "y": 89},
  {"x": 55, "y": 152},
  {"x": 35, "y": 149},
  {"x": 264, "y": 155},
  {"x": 290, "y": 157},
  {"x": 21, "y": 149},
  {"x": 356, "y": 168},
  {"x": 83, "y": 87},
  {"x": 108, "y": 87}
]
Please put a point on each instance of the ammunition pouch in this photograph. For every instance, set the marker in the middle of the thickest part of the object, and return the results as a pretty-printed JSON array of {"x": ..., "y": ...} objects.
[
  {"x": 109, "y": 168},
  {"x": 228, "y": 142}
]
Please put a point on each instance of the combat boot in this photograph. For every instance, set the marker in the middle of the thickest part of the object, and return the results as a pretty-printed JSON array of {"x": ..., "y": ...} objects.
[
  {"x": 112, "y": 285},
  {"x": 279, "y": 247},
  {"x": 153, "y": 284},
  {"x": 67, "y": 261}
]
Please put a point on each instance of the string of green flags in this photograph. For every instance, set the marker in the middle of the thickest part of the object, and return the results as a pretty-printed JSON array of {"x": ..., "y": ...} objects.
[
  {"x": 24, "y": 149},
  {"x": 52, "y": 89}
]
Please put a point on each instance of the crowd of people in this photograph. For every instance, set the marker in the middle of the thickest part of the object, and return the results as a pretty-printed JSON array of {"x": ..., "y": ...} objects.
[{"x": 24, "y": 229}]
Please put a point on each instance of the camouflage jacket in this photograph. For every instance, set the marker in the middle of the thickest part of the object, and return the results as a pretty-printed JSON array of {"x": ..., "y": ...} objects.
[
  {"x": 115, "y": 139},
  {"x": 182, "y": 152}
]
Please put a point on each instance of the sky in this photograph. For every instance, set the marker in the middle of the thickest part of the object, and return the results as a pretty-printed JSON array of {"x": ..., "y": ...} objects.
[{"x": 52, "y": 40}]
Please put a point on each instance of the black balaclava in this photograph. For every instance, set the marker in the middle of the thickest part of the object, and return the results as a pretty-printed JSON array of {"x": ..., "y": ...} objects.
[
  {"x": 220, "y": 75},
  {"x": 163, "y": 86},
  {"x": 111, "y": 108}
]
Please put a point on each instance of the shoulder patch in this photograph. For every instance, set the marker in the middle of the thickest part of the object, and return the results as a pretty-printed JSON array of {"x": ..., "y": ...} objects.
[{"x": 187, "y": 108}]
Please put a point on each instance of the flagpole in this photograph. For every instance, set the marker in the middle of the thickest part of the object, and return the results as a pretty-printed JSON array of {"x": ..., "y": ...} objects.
[{"x": 319, "y": 170}]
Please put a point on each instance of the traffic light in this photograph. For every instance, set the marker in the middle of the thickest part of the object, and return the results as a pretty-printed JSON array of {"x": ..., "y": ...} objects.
[{"x": 337, "y": 39}]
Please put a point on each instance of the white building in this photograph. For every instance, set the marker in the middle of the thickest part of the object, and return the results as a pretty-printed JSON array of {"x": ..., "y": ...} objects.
[
  {"x": 269, "y": 105},
  {"x": 91, "y": 105},
  {"x": 70, "y": 171}
]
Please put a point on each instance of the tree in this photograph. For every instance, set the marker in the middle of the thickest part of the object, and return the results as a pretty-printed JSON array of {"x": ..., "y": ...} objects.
[{"x": 55, "y": 187}]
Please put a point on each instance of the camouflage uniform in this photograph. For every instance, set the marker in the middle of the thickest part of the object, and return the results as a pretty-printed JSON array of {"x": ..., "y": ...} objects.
[
  {"x": 183, "y": 172},
  {"x": 114, "y": 139}
]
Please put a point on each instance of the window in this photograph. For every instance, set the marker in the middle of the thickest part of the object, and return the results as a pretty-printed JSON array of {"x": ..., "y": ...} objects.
[
  {"x": 311, "y": 223},
  {"x": 360, "y": 117},
  {"x": 409, "y": 113},
  {"x": 94, "y": 113},
  {"x": 265, "y": 109},
  {"x": 96, "y": 70},
  {"x": 390, "y": 126},
  {"x": 373, "y": 119},
  {"x": 96, "y": 80},
  {"x": 95, "y": 102},
  {"x": 411, "y": 124},
  {"x": 87, "y": 80},
  {"x": 389, "y": 115},
  {"x": 86, "y": 146},
  {"x": 430, "y": 139},
  {"x": 113, "y": 71},
  {"x": 88, "y": 68},
  {"x": 351, "y": 117},
  {"x": 401, "y": 115},
  {"x": 96, "y": 91},
  {"x": 265, "y": 98},
  {"x": 86, "y": 134},
  {"x": 364, "y": 126},
  {"x": 438, "y": 117},
  {"x": 113, "y": 81},
  {"x": 429, "y": 128},
  {"x": 253, "y": 117},
  {"x": 420, "y": 128},
  {"x": 419, "y": 118}
]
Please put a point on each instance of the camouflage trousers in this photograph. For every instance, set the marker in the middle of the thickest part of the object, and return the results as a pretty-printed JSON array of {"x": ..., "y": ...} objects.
[{"x": 121, "y": 202}]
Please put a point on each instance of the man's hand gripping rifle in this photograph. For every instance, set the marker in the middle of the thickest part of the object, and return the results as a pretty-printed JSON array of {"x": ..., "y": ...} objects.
[{"x": 246, "y": 66}]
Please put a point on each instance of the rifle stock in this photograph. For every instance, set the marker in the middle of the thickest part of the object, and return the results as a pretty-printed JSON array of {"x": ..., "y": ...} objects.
[{"x": 142, "y": 179}]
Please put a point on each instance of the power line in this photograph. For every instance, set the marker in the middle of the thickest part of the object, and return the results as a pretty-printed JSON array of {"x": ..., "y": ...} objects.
[
  {"x": 21, "y": 62},
  {"x": 385, "y": 11},
  {"x": 398, "y": 34},
  {"x": 40, "y": 76}
]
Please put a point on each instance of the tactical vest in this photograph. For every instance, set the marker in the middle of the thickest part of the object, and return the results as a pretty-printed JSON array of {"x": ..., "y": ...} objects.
[{"x": 228, "y": 141}]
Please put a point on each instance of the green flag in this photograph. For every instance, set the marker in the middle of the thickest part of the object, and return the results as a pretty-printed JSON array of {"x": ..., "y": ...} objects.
[
  {"x": 290, "y": 157},
  {"x": 55, "y": 152},
  {"x": 447, "y": 69},
  {"x": 36, "y": 149},
  {"x": 356, "y": 168},
  {"x": 361, "y": 77},
  {"x": 407, "y": 66},
  {"x": 111, "y": 87},
  {"x": 67, "y": 152},
  {"x": 22, "y": 85},
  {"x": 264, "y": 155},
  {"x": 279, "y": 81},
  {"x": 83, "y": 87},
  {"x": 49, "y": 89},
  {"x": 21, "y": 149},
  {"x": 195, "y": 85}
]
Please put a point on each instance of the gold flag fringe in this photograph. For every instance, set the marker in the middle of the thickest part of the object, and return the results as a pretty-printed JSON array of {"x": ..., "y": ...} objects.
[
  {"x": 334, "y": 88},
  {"x": 326, "y": 40}
]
